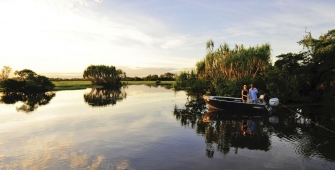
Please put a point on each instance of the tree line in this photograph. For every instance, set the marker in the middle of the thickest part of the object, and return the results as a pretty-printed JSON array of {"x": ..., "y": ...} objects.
[
  {"x": 153, "y": 77},
  {"x": 307, "y": 76},
  {"x": 27, "y": 81},
  {"x": 4, "y": 74}
]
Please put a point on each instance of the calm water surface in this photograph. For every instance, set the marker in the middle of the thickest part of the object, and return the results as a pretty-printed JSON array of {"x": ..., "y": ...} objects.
[{"x": 143, "y": 127}]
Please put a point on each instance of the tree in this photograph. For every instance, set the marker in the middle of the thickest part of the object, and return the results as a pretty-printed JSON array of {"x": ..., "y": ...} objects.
[
  {"x": 281, "y": 84},
  {"x": 154, "y": 77},
  {"x": 27, "y": 82},
  {"x": 319, "y": 58},
  {"x": 39, "y": 83},
  {"x": 104, "y": 75},
  {"x": 188, "y": 80},
  {"x": 25, "y": 73},
  {"x": 5, "y": 72},
  {"x": 138, "y": 78},
  {"x": 150, "y": 77},
  {"x": 225, "y": 70},
  {"x": 167, "y": 76},
  {"x": 308, "y": 73}
]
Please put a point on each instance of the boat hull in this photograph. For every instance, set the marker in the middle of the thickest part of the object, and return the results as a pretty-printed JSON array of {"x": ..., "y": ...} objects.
[{"x": 232, "y": 103}]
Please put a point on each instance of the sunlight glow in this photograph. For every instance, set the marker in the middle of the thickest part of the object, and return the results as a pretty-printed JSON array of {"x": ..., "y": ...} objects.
[
  {"x": 66, "y": 36},
  {"x": 49, "y": 36}
]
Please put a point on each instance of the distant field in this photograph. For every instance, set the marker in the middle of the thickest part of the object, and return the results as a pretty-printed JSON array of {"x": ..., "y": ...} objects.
[
  {"x": 75, "y": 85},
  {"x": 71, "y": 85}
]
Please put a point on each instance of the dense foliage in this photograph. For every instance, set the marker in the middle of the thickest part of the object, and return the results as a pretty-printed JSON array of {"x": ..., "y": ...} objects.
[
  {"x": 107, "y": 76},
  {"x": 27, "y": 82},
  {"x": 308, "y": 75},
  {"x": 224, "y": 71},
  {"x": 302, "y": 77}
]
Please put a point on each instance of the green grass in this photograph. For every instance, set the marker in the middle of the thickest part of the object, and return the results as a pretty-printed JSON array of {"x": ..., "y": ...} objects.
[
  {"x": 72, "y": 85},
  {"x": 76, "y": 85}
]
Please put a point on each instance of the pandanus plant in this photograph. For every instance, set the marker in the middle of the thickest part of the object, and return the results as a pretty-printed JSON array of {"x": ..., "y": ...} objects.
[{"x": 226, "y": 64}]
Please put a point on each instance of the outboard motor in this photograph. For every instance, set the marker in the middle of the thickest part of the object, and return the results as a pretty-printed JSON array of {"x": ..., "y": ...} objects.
[{"x": 274, "y": 102}]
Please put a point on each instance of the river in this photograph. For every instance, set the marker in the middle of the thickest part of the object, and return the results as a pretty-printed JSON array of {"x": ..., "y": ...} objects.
[{"x": 147, "y": 127}]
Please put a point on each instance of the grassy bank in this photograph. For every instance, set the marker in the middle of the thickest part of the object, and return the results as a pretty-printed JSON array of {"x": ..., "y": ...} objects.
[
  {"x": 72, "y": 85},
  {"x": 76, "y": 85}
]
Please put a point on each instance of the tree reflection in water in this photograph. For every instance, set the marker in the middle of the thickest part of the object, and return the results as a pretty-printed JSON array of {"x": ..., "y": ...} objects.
[
  {"x": 235, "y": 130},
  {"x": 30, "y": 101},
  {"x": 99, "y": 97},
  {"x": 223, "y": 130},
  {"x": 165, "y": 86},
  {"x": 192, "y": 114}
]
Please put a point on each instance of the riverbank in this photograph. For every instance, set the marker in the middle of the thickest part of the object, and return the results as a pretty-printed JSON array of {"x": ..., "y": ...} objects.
[{"x": 76, "y": 85}]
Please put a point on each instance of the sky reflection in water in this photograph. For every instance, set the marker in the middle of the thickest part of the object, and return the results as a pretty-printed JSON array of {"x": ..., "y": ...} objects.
[{"x": 148, "y": 129}]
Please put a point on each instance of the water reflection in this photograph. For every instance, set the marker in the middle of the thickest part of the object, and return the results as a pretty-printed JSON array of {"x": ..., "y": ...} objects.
[
  {"x": 142, "y": 133},
  {"x": 225, "y": 132},
  {"x": 38, "y": 153},
  {"x": 165, "y": 86},
  {"x": 192, "y": 114},
  {"x": 30, "y": 101},
  {"x": 274, "y": 120},
  {"x": 99, "y": 97},
  {"x": 305, "y": 127}
]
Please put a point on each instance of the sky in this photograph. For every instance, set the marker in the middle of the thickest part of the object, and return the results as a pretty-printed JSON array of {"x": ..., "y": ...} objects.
[{"x": 61, "y": 38}]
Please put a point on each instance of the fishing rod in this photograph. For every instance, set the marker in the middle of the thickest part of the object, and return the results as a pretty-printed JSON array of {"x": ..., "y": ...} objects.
[{"x": 299, "y": 114}]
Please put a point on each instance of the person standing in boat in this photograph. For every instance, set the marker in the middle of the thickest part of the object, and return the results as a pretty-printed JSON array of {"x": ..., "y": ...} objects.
[
  {"x": 253, "y": 93},
  {"x": 244, "y": 94}
]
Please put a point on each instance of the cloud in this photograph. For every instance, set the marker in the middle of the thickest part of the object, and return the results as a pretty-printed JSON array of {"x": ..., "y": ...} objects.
[
  {"x": 182, "y": 41},
  {"x": 280, "y": 23},
  {"x": 99, "y": 1},
  {"x": 69, "y": 35}
]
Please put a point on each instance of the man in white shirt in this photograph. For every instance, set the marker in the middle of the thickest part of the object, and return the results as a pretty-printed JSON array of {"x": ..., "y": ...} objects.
[{"x": 253, "y": 93}]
